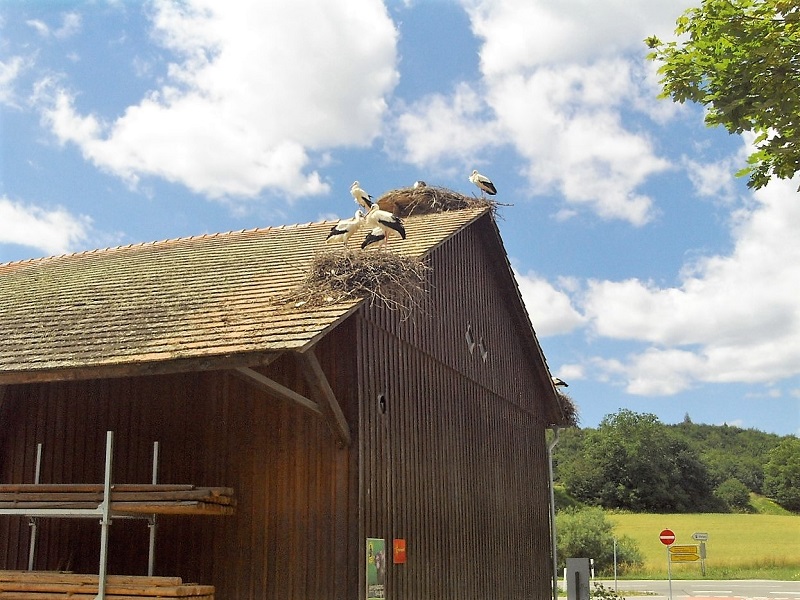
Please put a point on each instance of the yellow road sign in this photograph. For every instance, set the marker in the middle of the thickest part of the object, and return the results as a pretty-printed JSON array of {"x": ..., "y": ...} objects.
[
  {"x": 688, "y": 549},
  {"x": 684, "y": 557}
]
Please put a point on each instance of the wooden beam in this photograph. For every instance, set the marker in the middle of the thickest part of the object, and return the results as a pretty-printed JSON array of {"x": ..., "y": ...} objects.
[
  {"x": 323, "y": 393},
  {"x": 140, "y": 369},
  {"x": 269, "y": 385}
]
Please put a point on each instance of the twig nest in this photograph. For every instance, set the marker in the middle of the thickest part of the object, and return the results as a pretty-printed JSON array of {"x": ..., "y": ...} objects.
[
  {"x": 344, "y": 274},
  {"x": 568, "y": 408},
  {"x": 405, "y": 202}
]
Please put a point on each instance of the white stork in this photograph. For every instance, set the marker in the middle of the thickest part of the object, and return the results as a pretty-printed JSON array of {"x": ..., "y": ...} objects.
[
  {"x": 361, "y": 197},
  {"x": 484, "y": 183},
  {"x": 345, "y": 228},
  {"x": 559, "y": 382},
  {"x": 420, "y": 184},
  {"x": 386, "y": 221},
  {"x": 377, "y": 236}
]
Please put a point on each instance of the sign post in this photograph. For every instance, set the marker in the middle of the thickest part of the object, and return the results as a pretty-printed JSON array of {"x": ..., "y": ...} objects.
[
  {"x": 667, "y": 537},
  {"x": 702, "y": 537}
]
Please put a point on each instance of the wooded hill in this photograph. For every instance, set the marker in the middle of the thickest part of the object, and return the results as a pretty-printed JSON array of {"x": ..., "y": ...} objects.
[{"x": 633, "y": 461}]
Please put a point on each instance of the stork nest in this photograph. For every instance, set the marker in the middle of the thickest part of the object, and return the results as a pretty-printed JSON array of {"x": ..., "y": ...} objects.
[
  {"x": 405, "y": 202},
  {"x": 568, "y": 409},
  {"x": 342, "y": 275}
]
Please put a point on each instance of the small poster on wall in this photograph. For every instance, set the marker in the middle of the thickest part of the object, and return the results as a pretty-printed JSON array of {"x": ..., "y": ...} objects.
[{"x": 376, "y": 568}]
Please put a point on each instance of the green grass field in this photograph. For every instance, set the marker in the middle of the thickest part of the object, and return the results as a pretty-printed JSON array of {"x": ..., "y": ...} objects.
[{"x": 739, "y": 546}]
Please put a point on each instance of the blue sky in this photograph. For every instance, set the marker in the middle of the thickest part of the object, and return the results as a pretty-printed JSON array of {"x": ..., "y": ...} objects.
[{"x": 656, "y": 281}]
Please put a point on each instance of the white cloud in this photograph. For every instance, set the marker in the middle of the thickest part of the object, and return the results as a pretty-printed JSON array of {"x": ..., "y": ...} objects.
[
  {"x": 234, "y": 116},
  {"x": 550, "y": 309},
  {"x": 10, "y": 70},
  {"x": 440, "y": 127},
  {"x": 571, "y": 372},
  {"x": 53, "y": 231},
  {"x": 733, "y": 318},
  {"x": 40, "y": 27},
  {"x": 521, "y": 35},
  {"x": 567, "y": 123},
  {"x": 70, "y": 25},
  {"x": 561, "y": 81},
  {"x": 714, "y": 180}
]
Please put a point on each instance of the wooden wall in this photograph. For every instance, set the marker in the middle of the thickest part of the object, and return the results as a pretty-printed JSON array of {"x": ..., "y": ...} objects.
[
  {"x": 456, "y": 464},
  {"x": 295, "y": 526}
]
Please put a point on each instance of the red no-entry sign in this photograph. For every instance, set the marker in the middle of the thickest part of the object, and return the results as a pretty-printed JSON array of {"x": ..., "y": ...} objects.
[{"x": 667, "y": 537}]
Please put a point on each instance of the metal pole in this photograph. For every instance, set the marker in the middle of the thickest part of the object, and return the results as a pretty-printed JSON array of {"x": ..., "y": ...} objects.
[
  {"x": 34, "y": 522},
  {"x": 105, "y": 523},
  {"x": 615, "y": 564},
  {"x": 550, "y": 447},
  {"x": 151, "y": 556},
  {"x": 669, "y": 573}
]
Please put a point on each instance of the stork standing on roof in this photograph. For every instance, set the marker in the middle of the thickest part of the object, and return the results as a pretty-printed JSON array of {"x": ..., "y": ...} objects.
[
  {"x": 345, "y": 228},
  {"x": 386, "y": 221},
  {"x": 362, "y": 198},
  {"x": 375, "y": 237},
  {"x": 484, "y": 183}
]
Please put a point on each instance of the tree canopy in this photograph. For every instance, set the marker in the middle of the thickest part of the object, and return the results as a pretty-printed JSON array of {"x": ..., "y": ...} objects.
[
  {"x": 635, "y": 462},
  {"x": 740, "y": 59},
  {"x": 782, "y": 480}
]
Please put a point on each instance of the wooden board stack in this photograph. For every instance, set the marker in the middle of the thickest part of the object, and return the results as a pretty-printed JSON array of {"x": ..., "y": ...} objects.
[
  {"x": 125, "y": 498},
  {"x": 42, "y": 585}
]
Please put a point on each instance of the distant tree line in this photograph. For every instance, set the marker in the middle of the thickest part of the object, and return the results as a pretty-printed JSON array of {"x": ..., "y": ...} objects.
[{"x": 634, "y": 462}]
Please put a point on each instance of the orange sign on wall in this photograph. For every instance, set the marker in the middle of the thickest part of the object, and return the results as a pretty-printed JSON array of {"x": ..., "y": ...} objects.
[{"x": 399, "y": 552}]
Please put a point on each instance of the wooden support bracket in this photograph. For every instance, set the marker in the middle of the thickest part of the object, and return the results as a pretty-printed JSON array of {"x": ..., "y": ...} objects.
[
  {"x": 326, "y": 399},
  {"x": 270, "y": 385},
  {"x": 322, "y": 402}
]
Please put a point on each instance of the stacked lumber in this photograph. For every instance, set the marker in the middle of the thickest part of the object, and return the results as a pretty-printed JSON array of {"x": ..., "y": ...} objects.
[
  {"x": 44, "y": 585},
  {"x": 126, "y": 498}
]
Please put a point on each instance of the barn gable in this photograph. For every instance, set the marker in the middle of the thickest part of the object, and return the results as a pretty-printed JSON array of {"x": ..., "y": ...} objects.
[{"x": 452, "y": 431}]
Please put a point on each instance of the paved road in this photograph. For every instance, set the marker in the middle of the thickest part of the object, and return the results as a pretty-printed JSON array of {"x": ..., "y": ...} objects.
[{"x": 697, "y": 589}]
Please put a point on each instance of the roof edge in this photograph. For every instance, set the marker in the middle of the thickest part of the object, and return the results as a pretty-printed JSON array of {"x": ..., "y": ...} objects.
[{"x": 139, "y": 369}]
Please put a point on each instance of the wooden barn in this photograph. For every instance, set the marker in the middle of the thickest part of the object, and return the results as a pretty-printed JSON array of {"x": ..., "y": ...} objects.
[{"x": 317, "y": 446}]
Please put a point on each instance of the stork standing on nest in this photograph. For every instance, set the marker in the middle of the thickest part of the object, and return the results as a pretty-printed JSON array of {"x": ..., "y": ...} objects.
[
  {"x": 362, "y": 198},
  {"x": 377, "y": 237},
  {"x": 484, "y": 183},
  {"x": 345, "y": 228},
  {"x": 386, "y": 222}
]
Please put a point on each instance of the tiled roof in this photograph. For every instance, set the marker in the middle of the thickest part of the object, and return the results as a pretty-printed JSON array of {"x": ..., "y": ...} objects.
[{"x": 205, "y": 296}]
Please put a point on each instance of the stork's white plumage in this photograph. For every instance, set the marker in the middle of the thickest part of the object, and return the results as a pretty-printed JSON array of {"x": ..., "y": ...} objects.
[
  {"x": 361, "y": 197},
  {"x": 376, "y": 237},
  {"x": 345, "y": 228},
  {"x": 484, "y": 183},
  {"x": 386, "y": 221},
  {"x": 420, "y": 184},
  {"x": 559, "y": 382}
]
